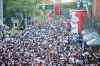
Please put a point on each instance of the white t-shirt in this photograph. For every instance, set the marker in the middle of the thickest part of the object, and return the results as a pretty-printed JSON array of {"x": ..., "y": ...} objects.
[{"x": 3, "y": 64}]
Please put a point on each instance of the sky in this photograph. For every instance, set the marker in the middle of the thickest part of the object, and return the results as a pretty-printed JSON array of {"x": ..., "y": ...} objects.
[
  {"x": 63, "y": 1},
  {"x": 68, "y": 0}
]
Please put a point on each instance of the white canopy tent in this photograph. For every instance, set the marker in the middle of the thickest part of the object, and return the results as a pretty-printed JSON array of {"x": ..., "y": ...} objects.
[
  {"x": 90, "y": 36},
  {"x": 94, "y": 42}
]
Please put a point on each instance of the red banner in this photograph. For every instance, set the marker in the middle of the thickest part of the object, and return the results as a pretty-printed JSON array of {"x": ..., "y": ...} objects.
[
  {"x": 57, "y": 9},
  {"x": 80, "y": 15}
]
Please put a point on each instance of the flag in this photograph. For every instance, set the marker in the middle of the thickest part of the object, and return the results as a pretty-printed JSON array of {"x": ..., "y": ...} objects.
[
  {"x": 81, "y": 16},
  {"x": 57, "y": 9},
  {"x": 78, "y": 17}
]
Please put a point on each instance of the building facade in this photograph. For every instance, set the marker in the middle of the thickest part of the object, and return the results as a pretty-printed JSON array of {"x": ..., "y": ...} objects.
[
  {"x": 96, "y": 8},
  {"x": 1, "y": 12}
]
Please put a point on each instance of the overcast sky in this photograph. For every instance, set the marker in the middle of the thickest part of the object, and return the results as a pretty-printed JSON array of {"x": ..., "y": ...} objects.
[{"x": 64, "y": 1}]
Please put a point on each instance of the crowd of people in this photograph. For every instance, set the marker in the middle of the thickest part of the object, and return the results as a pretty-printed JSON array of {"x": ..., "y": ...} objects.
[{"x": 43, "y": 45}]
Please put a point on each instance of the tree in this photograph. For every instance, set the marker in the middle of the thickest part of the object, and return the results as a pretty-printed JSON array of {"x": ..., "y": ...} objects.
[
  {"x": 20, "y": 9},
  {"x": 28, "y": 6}
]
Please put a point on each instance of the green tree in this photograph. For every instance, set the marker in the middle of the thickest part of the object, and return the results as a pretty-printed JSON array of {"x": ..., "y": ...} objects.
[
  {"x": 28, "y": 6},
  {"x": 20, "y": 9}
]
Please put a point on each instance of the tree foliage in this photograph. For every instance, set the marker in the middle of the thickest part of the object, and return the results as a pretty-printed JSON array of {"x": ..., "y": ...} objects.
[
  {"x": 28, "y": 6},
  {"x": 20, "y": 9}
]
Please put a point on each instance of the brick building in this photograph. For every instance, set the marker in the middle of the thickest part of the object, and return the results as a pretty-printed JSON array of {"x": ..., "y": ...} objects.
[{"x": 96, "y": 8}]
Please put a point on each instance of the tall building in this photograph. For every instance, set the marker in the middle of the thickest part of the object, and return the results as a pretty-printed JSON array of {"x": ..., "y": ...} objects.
[
  {"x": 1, "y": 12},
  {"x": 96, "y": 8}
]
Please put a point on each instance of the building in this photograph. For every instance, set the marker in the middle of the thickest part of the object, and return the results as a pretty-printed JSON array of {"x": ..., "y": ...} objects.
[
  {"x": 96, "y": 8},
  {"x": 1, "y": 12}
]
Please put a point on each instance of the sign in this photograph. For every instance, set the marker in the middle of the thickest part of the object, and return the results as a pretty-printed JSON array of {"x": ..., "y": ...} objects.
[{"x": 77, "y": 18}]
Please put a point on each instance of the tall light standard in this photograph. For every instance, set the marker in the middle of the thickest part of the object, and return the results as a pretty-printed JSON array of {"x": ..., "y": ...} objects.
[{"x": 1, "y": 12}]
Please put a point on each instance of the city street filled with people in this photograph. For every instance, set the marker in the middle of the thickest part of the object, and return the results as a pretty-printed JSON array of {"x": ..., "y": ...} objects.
[
  {"x": 49, "y": 33},
  {"x": 43, "y": 46}
]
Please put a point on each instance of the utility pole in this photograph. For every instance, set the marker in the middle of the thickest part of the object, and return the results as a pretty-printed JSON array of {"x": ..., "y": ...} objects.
[{"x": 1, "y": 12}]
